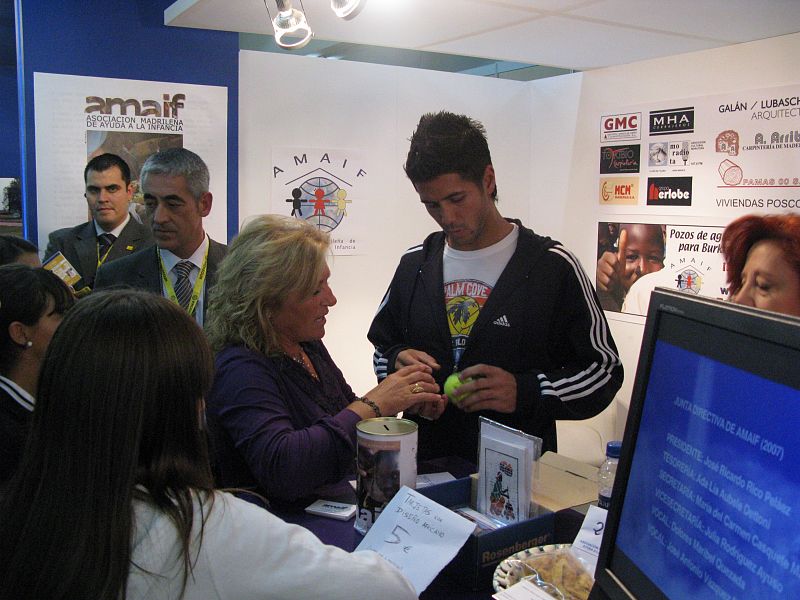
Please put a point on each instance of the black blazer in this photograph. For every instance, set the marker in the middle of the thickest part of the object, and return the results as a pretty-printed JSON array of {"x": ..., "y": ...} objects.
[
  {"x": 143, "y": 272},
  {"x": 79, "y": 245}
]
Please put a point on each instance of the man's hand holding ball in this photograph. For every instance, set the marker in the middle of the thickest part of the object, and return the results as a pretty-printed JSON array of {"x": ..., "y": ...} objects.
[
  {"x": 452, "y": 383},
  {"x": 482, "y": 387}
]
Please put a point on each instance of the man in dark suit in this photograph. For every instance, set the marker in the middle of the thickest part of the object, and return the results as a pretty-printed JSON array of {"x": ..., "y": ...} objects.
[
  {"x": 112, "y": 233},
  {"x": 182, "y": 265}
]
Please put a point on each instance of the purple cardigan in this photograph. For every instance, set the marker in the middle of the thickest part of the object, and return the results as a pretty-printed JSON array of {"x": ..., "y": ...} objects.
[{"x": 268, "y": 433}]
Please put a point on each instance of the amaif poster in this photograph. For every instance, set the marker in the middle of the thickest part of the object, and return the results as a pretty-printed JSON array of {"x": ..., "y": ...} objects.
[
  {"x": 326, "y": 187},
  {"x": 78, "y": 118},
  {"x": 672, "y": 176}
]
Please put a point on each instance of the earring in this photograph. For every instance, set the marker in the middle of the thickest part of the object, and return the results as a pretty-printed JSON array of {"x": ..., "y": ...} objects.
[{"x": 28, "y": 344}]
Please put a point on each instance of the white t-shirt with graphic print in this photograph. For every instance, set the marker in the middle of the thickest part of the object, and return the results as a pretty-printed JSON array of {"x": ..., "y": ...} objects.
[{"x": 469, "y": 277}]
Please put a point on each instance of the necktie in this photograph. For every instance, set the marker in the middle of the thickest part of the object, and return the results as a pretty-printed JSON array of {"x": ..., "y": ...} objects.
[
  {"x": 104, "y": 243},
  {"x": 183, "y": 287}
]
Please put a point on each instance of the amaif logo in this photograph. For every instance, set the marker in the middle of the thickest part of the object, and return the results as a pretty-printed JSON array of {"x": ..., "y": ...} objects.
[
  {"x": 168, "y": 107},
  {"x": 669, "y": 191},
  {"x": 318, "y": 188},
  {"x": 689, "y": 280},
  {"x": 673, "y": 120}
]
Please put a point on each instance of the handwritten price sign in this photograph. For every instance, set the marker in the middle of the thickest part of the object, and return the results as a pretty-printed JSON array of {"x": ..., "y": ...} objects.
[{"x": 418, "y": 536}]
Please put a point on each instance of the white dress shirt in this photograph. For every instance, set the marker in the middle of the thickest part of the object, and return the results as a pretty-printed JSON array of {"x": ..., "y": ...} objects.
[
  {"x": 116, "y": 231},
  {"x": 170, "y": 260}
]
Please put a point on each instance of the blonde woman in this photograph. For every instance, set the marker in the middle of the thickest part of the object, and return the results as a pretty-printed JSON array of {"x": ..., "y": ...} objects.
[{"x": 282, "y": 417}]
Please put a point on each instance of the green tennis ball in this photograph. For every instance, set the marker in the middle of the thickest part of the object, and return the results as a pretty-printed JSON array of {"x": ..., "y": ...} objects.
[{"x": 452, "y": 382}]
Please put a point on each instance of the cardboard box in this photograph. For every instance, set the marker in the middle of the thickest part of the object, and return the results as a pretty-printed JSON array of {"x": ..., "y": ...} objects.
[
  {"x": 563, "y": 483},
  {"x": 475, "y": 563}
]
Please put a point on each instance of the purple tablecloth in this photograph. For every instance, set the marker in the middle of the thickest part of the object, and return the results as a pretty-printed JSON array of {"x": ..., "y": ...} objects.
[{"x": 344, "y": 535}]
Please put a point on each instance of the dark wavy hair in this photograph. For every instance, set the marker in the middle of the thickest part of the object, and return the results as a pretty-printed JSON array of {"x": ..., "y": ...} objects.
[
  {"x": 444, "y": 143},
  {"x": 117, "y": 418},
  {"x": 24, "y": 295},
  {"x": 743, "y": 233},
  {"x": 12, "y": 247}
]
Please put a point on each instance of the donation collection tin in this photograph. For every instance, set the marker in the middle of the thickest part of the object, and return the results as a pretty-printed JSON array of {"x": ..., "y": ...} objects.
[{"x": 386, "y": 460}]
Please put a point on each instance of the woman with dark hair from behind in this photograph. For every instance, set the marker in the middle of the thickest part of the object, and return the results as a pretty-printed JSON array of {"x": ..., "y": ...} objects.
[
  {"x": 114, "y": 496},
  {"x": 15, "y": 249},
  {"x": 32, "y": 302},
  {"x": 762, "y": 256}
]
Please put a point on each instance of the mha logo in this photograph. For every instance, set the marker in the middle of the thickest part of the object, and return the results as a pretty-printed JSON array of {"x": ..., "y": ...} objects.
[
  {"x": 317, "y": 187},
  {"x": 675, "y": 120}
]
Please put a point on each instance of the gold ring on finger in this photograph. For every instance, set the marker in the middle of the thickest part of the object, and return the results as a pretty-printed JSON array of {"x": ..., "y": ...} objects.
[{"x": 417, "y": 388}]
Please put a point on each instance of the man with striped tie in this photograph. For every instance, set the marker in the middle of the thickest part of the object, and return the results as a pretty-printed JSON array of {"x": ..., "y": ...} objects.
[
  {"x": 112, "y": 233},
  {"x": 183, "y": 264},
  {"x": 510, "y": 310}
]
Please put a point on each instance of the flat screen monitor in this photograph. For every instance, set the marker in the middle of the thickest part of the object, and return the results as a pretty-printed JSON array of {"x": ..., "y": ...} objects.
[{"x": 706, "y": 502}]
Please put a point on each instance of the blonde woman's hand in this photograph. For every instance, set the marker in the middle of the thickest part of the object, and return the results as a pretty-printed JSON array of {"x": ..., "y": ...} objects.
[{"x": 411, "y": 388}]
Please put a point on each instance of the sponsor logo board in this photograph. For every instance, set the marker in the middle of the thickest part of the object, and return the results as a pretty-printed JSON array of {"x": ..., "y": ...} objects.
[
  {"x": 619, "y": 190},
  {"x": 672, "y": 121},
  {"x": 619, "y": 159},
  {"x": 669, "y": 191},
  {"x": 621, "y": 127},
  {"x": 678, "y": 153}
]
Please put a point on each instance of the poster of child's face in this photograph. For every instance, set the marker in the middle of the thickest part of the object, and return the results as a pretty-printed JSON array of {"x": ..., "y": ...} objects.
[
  {"x": 378, "y": 475},
  {"x": 635, "y": 258},
  {"x": 626, "y": 252}
]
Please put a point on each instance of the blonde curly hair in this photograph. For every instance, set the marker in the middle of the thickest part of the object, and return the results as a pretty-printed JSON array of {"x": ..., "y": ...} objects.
[{"x": 273, "y": 256}]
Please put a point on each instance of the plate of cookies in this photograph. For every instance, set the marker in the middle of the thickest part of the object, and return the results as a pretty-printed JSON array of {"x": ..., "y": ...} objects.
[{"x": 552, "y": 568}]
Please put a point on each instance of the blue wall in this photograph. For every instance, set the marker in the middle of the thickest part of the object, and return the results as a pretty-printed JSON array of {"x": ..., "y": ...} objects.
[
  {"x": 9, "y": 113},
  {"x": 123, "y": 39},
  {"x": 9, "y": 122}
]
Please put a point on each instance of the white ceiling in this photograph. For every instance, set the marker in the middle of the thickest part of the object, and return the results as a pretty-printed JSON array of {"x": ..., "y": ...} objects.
[{"x": 571, "y": 34}]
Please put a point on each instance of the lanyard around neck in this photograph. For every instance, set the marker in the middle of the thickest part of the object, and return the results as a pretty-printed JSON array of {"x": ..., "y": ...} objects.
[
  {"x": 100, "y": 260},
  {"x": 198, "y": 285}
]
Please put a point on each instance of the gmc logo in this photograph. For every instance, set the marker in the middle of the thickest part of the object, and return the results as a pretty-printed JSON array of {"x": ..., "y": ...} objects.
[
  {"x": 621, "y": 122},
  {"x": 620, "y": 127}
]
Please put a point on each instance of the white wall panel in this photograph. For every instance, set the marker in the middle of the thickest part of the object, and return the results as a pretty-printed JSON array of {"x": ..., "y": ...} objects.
[
  {"x": 298, "y": 101},
  {"x": 544, "y": 137}
]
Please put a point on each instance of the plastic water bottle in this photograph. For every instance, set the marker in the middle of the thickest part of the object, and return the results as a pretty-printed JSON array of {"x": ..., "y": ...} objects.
[{"x": 605, "y": 478}]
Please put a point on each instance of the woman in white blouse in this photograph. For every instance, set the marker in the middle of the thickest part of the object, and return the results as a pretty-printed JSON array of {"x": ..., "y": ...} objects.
[{"x": 114, "y": 496}]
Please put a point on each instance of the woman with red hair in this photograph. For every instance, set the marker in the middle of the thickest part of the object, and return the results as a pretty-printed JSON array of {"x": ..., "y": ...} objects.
[{"x": 763, "y": 262}]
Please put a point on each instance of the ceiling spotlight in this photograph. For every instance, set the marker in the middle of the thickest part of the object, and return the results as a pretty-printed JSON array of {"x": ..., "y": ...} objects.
[
  {"x": 347, "y": 9},
  {"x": 291, "y": 28}
]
